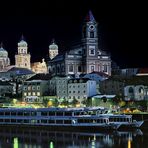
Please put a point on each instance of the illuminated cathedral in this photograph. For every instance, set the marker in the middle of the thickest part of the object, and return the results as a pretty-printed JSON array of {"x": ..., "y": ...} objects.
[{"x": 82, "y": 58}]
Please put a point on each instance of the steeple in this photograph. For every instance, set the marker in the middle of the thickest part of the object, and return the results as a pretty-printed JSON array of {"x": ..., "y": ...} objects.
[
  {"x": 22, "y": 38},
  {"x": 1, "y": 45},
  {"x": 53, "y": 49},
  {"x": 90, "y": 17}
]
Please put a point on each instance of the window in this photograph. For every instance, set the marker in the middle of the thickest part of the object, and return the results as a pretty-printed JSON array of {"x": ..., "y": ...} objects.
[
  {"x": 33, "y": 93},
  {"x": 91, "y": 34},
  {"x": 104, "y": 68},
  {"x": 29, "y": 87},
  {"x": 141, "y": 90},
  {"x": 70, "y": 68},
  {"x": 79, "y": 68},
  {"x": 25, "y": 88},
  {"x": 92, "y": 51},
  {"x": 92, "y": 68},
  {"x": 33, "y": 87},
  {"x": 38, "y": 94},
  {"x": 131, "y": 90},
  {"x": 25, "y": 94},
  {"x": 38, "y": 87}
]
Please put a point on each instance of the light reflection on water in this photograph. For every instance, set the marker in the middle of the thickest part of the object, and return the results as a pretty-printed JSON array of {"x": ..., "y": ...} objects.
[{"x": 41, "y": 138}]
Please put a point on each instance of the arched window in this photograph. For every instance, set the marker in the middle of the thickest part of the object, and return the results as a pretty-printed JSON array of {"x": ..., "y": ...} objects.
[
  {"x": 131, "y": 90},
  {"x": 141, "y": 91}
]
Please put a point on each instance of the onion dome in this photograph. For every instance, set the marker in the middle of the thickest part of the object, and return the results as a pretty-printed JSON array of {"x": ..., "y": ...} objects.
[
  {"x": 22, "y": 42},
  {"x": 3, "y": 52},
  {"x": 53, "y": 46}
]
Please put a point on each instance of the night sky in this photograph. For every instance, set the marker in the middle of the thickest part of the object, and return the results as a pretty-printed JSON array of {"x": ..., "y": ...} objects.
[{"x": 121, "y": 27}]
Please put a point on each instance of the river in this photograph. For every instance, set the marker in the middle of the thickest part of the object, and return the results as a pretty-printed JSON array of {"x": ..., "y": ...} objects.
[{"x": 14, "y": 137}]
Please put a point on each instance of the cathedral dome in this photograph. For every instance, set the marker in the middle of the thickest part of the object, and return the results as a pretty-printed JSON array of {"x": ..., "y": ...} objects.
[
  {"x": 53, "y": 46},
  {"x": 22, "y": 43},
  {"x": 3, "y": 52}
]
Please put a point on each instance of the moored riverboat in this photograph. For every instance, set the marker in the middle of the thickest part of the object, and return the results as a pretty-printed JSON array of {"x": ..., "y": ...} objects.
[{"x": 74, "y": 118}]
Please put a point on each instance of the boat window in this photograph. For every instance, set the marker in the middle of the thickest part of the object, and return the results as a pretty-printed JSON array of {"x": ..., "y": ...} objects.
[
  {"x": 51, "y": 121},
  {"x": 80, "y": 121},
  {"x": 68, "y": 113},
  {"x": 13, "y": 113},
  {"x": 7, "y": 113},
  {"x": 26, "y": 113},
  {"x": 13, "y": 120},
  {"x": 1, "y": 113},
  {"x": 20, "y": 113},
  {"x": 67, "y": 121},
  {"x": 7, "y": 120},
  {"x": 43, "y": 121},
  {"x": 59, "y": 113},
  {"x": 26, "y": 121},
  {"x": 59, "y": 121},
  {"x": 51, "y": 113},
  {"x": 43, "y": 113}
]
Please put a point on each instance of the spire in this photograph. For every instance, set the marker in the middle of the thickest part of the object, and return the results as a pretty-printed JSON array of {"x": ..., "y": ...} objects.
[
  {"x": 53, "y": 41},
  {"x": 22, "y": 38},
  {"x": 1, "y": 45},
  {"x": 90, "y": 17}
]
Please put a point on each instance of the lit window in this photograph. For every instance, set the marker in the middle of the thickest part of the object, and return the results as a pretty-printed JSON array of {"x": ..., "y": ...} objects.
[
  {"x": 25, "y": 94},
  {"x": 33, "y": 93},
  {"x": 29, "y": 94},
  {"x": 38, "y": 94},
  {"x": 29, "y": 87}
]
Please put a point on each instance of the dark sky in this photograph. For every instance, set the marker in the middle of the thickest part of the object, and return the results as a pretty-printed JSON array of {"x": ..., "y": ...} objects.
[{"x": 122, "y": 26}]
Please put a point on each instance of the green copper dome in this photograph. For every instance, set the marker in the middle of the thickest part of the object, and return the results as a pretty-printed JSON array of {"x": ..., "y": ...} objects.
[
  {"x": 3, "y": 52},
  {"x": 53, "y": 45},
  {"x": 22, "y": 43}
]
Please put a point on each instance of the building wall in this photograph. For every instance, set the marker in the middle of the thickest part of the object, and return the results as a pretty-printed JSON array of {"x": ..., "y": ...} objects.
[
  {"x": 112, "y": 87},
  {"x": 34, "y": 88},
  {"x": 85, "y": 57},
  {"x": 136, "y": 92},
  {"x": 80, "y": 89}
]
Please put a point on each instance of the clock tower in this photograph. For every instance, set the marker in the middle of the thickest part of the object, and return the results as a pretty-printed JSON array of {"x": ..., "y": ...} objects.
[
  {"x": 22, "y": 58},
  {"x": 94, "y": 59}
]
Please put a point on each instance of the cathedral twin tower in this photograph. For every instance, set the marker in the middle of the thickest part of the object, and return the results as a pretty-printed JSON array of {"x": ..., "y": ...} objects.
[{"x": 85, "y": 57}]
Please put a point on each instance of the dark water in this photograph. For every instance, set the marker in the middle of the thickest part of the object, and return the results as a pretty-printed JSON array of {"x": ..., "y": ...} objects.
[{"x": 42, "y": 138}]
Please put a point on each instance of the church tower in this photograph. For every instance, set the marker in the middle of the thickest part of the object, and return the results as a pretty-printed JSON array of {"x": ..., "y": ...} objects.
[
  {"x": 4, "y": 59},
  {"x": 53, "y": 50},
  {"x": 22, "y": 58},
  {"x": 94, "y": 58}
]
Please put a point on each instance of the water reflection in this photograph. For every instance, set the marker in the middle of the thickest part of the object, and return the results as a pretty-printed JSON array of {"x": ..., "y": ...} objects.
[{"x": 41, "y": 138}]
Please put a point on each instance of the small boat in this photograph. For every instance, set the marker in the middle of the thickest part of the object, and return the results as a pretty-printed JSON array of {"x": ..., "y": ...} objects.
[{"x": 66, "y": 118}]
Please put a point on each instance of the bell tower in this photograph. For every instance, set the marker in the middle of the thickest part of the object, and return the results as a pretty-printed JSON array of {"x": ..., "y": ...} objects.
[
  {"x": 94, "y": 59},
  {"x": 53, "y": 50},
  {"x": 22, "y": 58}
]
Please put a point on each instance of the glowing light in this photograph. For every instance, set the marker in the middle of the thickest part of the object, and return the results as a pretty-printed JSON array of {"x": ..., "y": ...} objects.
[
  {"x": 129, "y": 143},
  {"x": 15, "y": 143},
  {"x": 51, "y": 145}
]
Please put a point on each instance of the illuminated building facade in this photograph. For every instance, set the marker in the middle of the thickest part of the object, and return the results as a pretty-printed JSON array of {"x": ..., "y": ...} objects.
[
  {"x": 22, "y": 58},
  {"x": 39, "y": 67},
  {"x": 84, "y": 57},
  {"x": 4, "y": 59}
]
